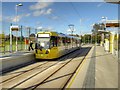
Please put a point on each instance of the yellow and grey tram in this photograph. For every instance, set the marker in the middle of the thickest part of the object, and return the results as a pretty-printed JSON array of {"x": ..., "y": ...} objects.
[{"x": 51, "y": 45}]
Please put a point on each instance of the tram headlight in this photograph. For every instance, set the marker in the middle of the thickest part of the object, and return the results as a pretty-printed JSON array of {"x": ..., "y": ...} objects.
[{"x": 47, "y": 51}]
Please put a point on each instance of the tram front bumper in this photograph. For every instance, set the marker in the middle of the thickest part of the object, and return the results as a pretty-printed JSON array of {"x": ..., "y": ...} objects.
[{"x": 42, "y": 56}]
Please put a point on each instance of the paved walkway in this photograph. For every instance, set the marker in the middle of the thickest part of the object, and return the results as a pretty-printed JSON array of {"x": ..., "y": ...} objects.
[
  {"x": 106, "y": 69},
  {"x": 18, "y": 53},
  {"x": 99, "y": 70}
]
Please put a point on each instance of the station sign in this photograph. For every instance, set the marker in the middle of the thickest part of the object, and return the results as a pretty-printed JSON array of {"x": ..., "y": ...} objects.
[
  {"x": 112, "y": 23},
  {"x": 14, "y": 28}
]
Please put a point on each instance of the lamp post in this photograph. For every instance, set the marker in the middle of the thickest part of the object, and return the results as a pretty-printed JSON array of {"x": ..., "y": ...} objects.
[
  {"x": 21, "y": 39},
  {"x": 35, "y": 31},
  {"x": 91, "y": 38},
  {"x": 10, "y": 39},
  {"x": 71, "y": 27},
  {"x": 103, "y": 36},
  {"x": 16, "y": 9},
  {"x": 104, "y": 18}
]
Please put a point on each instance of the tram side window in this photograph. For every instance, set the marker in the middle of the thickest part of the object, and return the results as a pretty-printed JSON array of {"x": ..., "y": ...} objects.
[
  {"x": 68, "y": 41},
  {"x": 63, "y": 41},
  {"x": 53, "y": 41},
  {"x": 76, "y": 41},
  {"x": 58, "y": 41}
]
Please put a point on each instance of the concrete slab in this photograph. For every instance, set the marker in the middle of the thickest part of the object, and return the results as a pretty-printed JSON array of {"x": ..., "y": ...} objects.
[
  {"x": 18, "y": 53},
  {"x": 77, "y": 80},
  {"x": 99, "y": 70},
  {"x": 15, "y": 59},
  {"x": 106, "y": 69}
]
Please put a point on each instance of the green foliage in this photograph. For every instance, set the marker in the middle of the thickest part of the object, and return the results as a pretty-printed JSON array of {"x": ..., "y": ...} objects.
[{"x": 91, "y": 39}]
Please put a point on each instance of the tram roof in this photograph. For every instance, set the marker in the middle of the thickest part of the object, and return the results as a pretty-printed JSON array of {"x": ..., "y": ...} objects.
[
  {"x": 65, "y": 35},
  {"x": 57, "y": 34},
  {"x": 48, "y": 32},
  {"x": 61, "y": 35}
]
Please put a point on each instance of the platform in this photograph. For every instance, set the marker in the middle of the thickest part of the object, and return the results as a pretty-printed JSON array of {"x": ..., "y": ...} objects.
[
  {"x": 18, "y": 53},
  {"x": 11, "y": 60},
  {"x": 99, "y": 70}
]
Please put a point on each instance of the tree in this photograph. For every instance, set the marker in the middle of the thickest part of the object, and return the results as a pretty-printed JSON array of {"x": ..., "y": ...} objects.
[
  {"x": 22, "y": 38},
  {"x": 96, "y": 27},
  {"x": 8, "y": 37},
  {"x": 102, "y": 26}
]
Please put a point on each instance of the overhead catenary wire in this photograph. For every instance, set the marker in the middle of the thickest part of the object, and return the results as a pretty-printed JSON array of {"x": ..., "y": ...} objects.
[
  {"x": 60, "y": 17},
  {"x": 77, "y": 13},
  {"x": 61, "y": 20},
  {"x": 74, "y": 8}
]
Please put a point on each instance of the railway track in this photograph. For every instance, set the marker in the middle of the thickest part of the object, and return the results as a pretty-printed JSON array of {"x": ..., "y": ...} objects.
[
  {"x": 61, "y": 76},
  {"x": 8, "y": 76},
  {"x": 40, "y": 73}
]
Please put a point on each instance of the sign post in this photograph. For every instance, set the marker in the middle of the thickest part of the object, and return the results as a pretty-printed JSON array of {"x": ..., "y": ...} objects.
[{"x": 13, "y": 28}]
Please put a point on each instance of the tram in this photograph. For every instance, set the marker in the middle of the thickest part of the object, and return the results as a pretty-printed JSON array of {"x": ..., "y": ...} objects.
[{"x": 52, "y": 45}]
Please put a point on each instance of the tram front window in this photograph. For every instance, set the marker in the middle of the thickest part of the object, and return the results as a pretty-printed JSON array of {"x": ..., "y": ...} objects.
[
  {"x": 43, "y": 43},
  {"x": 53, "y": 41}
]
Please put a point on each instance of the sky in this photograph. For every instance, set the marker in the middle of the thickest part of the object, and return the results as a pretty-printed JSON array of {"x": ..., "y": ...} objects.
[{"x": 57, "y": 16}]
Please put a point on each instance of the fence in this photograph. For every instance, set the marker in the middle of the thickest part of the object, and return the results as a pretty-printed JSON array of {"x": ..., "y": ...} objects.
[{"x": 22, "y": 46}]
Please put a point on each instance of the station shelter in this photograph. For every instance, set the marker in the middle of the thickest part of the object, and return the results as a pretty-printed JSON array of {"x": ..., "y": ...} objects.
[
  {"x": 105, "y": 38},
  {"x": 111, "y": 42}
]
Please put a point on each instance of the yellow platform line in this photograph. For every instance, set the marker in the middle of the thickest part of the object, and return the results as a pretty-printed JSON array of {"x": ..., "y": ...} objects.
[
  {"x": 72, "y": 80},
  {"x": 76, "y": 74}
]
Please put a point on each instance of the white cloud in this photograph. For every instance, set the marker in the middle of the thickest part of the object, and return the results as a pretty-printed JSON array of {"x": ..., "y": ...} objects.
[
  {"x": 40, "y": 8},
  {"x": 56, "y": 0},
  {"x": 38, "y": 12},
  {"x": 13, "y": 18},
  {"x": 69, "y": 30},
  {"x": 100, "y": 4},
  {"x": 40, "y": 27},
  {"x": 38, "y": 23},
  {"x": 84, "y": 20},
  {"x": 45, "y": 0},
  {"x": 48, "y": 28},
  {"x": 49, "y": 11},
  {"x": 53, "y": 17},
  {"x": 40, "y": 5},
  {"x": 27, "y": 15},
  {"x": 17, "y": 18},
  {"x": 42, "y": 12}
]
